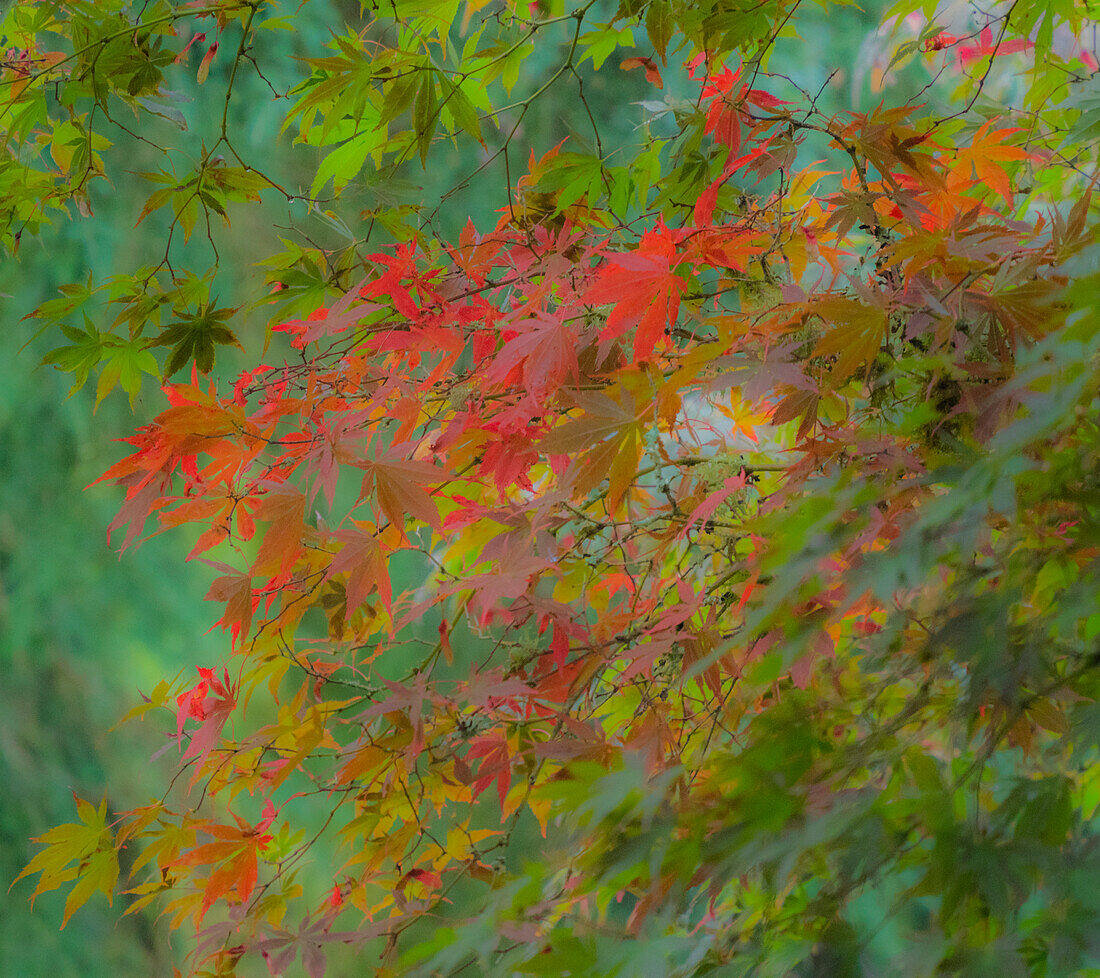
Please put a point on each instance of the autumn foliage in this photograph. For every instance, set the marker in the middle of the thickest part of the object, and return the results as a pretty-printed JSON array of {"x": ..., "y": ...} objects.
[{"x": 748, "y": 490}]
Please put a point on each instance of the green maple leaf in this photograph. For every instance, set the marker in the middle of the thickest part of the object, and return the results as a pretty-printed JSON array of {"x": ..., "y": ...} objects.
[
  {"x": 83, "y": 851},
  {"x": 81, "y": 356},
  {"x": 124, "y": 365},
  {"x": 193, "y": 337}
]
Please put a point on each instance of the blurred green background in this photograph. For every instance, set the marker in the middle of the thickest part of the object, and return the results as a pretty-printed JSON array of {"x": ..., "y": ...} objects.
[{"x": 81, "y": 630}]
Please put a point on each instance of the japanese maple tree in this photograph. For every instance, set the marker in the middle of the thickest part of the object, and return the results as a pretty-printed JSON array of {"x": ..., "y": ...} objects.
[{"x": 746, "y": 477}]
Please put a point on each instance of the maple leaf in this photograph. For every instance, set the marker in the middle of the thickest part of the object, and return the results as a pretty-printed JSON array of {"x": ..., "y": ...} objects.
[
  {"x": 234, "y": 855},
  {"x": 398, "y": 485},
  {"x": 245, "y": 380},
  {"x": 707, "y": 508},
  {"x": 491, "y": 689},
  {"x": 210, "y": 701},
  {"x": 144, "y": 497},
  {"x": 798, "y": 403},
  {"x": 323, "y": 321},
  {"x": 724, "y": 111},
  {"x": 408, "y": 698},
  {"x": 542, "y": 346},
  {"x": 284, "y": 507},
  {"x": 492, "y": 593},
  {"x": 1031, "y": 309},
  {"x": 364, "y": 561},
  {"x": 855, "y": 336},
  {"x": 399, "y": 268},
  {"x": 193, "y": 338},
  {"x": 615, "y": 458},
  {"x": 83, "y": 353},
  {"x": 84, "y": 850},
  {"x": 652, "y": 72},
  {"x": 496, "y": 765},
  {"x": 986, "y": 155},
  {"x": 704, "y": 206},
  {"x": 279, "y": 951},
  {"x": 968, "y": 53},
  {"x": 218, "y": 533},
  {"x": 645, "y": 290},
  {"x": 123, "y": 364},
  {"x": 235, "y": 589}
]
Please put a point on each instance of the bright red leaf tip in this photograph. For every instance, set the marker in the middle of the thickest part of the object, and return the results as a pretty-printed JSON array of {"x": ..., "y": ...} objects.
[{"x": 209, "y": 702}]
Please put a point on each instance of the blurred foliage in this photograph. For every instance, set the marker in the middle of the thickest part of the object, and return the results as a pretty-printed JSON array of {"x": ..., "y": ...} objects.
[{"x": 79, "y": 631}]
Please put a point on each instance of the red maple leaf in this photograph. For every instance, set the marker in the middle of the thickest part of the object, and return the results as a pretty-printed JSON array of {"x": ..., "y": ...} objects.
[
  {"x": 986, "y": 47},
  {"x": 645, "y": 290},
  {"x": 496, "y": 764},
  {"x": 210, "y": 702},
  {"x": 235, "y": 855},
  {"x": 543, "y": 348}
]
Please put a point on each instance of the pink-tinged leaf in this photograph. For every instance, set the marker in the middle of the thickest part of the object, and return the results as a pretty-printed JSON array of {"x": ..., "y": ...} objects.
[
  {"x": 408, "y": 696},
  {"x": 490, "y": 689},
  {"x": 986, "y": 47},
  {"x": 325, "y": 322},
  {"x": 235, "y": 589},
  {"x": 195, "y": 39},
  {"x": 544, "y": 349},
  {"x": 803, "y": 667},
  {"x": 765, "y": 100},
  {"x": 207, "y": 60},
  {"x": 284, "y": 507},
  {"x": 364, "y": 561},
  {"x": 707, "y": 508},
  {"x": 495, "y": 765},
  {"x": 141, "y": 502},
  {"x": 210, "y": 702},
  {"x": 398, "y": 485}
]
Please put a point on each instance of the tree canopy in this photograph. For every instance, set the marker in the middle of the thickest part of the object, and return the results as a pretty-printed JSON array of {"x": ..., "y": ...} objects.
[{"x": 684, "y": 563}]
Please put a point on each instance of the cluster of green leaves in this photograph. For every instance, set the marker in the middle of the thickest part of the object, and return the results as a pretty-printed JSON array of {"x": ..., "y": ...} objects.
[{"x": 754, "y": 503}]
